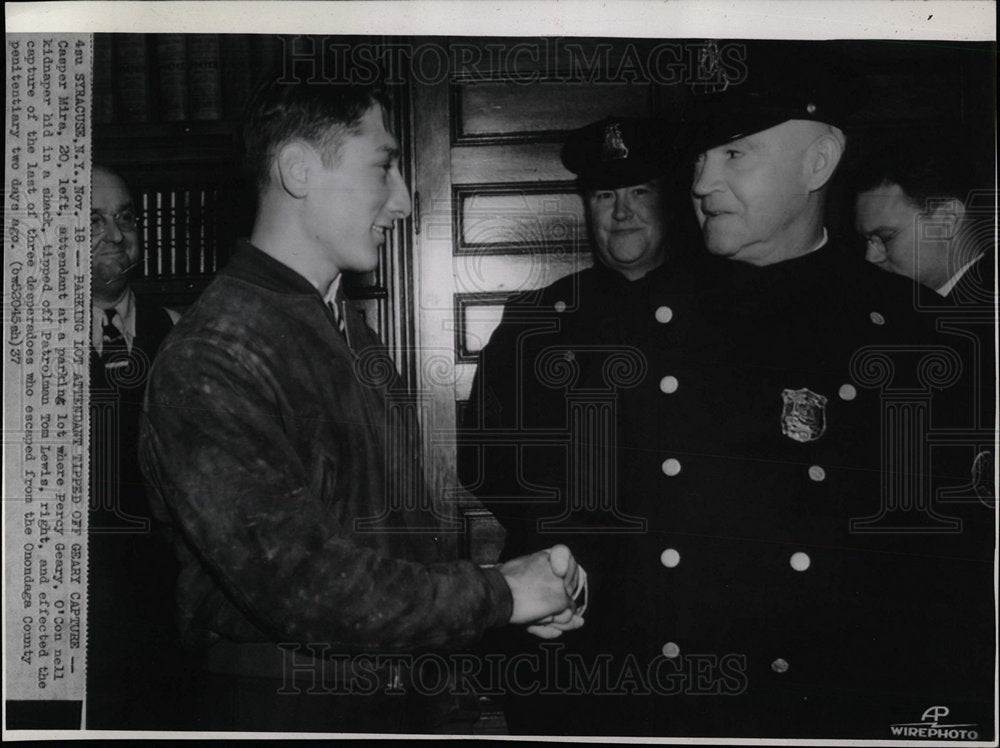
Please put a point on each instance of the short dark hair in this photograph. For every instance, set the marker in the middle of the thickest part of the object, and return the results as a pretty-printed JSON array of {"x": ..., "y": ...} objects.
[
  {"x": 926, "y": 165},
  {"x": 319, "y": 113}
]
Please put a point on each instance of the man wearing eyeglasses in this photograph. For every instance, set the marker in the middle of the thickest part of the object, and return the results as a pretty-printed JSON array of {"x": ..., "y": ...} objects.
[
  {"x": 118, "y": 316},
  {"x": 919, "y": 206},
  {"x": 131, "y": 660},
  {"x": 915, "y": 207}
]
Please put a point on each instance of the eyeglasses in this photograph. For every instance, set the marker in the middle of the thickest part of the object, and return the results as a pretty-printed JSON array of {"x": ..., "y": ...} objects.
[{"x": 125, "y": 220}]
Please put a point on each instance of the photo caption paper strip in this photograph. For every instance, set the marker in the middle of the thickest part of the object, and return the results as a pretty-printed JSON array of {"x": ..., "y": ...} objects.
[{"x": 46, "y": 339}]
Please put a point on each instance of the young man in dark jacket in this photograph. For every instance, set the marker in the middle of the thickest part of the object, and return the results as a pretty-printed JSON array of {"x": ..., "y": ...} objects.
[{"x": 294, "y": 498}]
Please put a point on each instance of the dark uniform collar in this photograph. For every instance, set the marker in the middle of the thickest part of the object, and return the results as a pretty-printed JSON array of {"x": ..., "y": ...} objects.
[
  {"x": 785, "y": 272},
  {"x": 671, "y": 268},
  {"x": 753, "y": 290},
  {"x": 613, "y": 277}
]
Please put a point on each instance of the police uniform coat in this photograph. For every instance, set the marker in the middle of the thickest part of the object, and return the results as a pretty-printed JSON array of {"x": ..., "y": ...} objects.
[
  {"x": 768, "y": 477},
  {"x": 558, "y": 361},
  {"x": 766, "y": 592}
]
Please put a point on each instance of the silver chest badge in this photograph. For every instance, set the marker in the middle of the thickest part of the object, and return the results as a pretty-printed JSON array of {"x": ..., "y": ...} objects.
[{"x": 803, "y": 415}]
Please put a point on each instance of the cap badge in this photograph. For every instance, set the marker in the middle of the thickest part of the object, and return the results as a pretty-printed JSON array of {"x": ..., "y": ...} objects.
[
  {"x": 803, "y": 415},
  {"x": 712, "y": 76},
  {"x": 614, "y": 147}
]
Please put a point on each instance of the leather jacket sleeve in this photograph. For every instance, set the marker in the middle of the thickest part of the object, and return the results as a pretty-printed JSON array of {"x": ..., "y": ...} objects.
[{"x": 237, "y": 497}]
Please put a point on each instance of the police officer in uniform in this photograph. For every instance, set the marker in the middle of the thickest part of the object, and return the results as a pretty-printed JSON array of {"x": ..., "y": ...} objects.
[
  {"x": 794, "y": 580},
  {"x": 764, "y": 560},
  {"x": 573, "y": 326},
  {"x": 538, "y": 444}
]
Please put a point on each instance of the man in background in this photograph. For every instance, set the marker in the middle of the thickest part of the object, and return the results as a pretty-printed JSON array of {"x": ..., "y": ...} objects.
[
  {"x": 622, "y": 165},
  {"x": 912, "y": 206},
  {"x": 917, "y": 206},
  {"x": 133, "y": 668},
  {"x": 554, "y": 366},
  {"x": 283, "y": 471}
]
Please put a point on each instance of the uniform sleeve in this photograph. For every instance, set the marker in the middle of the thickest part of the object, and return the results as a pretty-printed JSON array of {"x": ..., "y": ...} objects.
[
  {"x": 214, "y": 451},
  {"x": 519, "y": 479},
  {"x": 486, "y": 469}
]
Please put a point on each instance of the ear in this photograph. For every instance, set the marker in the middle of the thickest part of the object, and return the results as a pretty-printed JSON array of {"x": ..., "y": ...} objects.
[
  {"x": 292, "y": 166},
  {"x": 821, "y": 160},
  {"x": 948, "y": 215}
]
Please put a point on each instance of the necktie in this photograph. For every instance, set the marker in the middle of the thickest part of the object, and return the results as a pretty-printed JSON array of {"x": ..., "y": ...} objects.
[{"x": 114, "y": 351}]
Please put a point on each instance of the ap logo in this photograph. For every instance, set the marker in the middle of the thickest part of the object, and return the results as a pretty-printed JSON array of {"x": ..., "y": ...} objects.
[
  {"x": 934, "y": 713},
  {"x": 930, "y": 726}
]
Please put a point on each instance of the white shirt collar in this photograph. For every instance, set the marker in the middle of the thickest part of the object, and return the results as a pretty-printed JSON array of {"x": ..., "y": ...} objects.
[
  {"x": 948, "y": 287},
  {"x": 331, "y": 293},
  {"x": 822, "y": 242},
  {"x": 331, "y": 298}
]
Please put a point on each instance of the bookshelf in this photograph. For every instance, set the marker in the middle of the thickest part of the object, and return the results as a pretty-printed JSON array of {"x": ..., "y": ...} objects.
[{"x": 166, "y": 111}]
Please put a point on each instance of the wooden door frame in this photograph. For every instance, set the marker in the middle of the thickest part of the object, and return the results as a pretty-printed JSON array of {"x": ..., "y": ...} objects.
[{"x": 433, "y": 294}]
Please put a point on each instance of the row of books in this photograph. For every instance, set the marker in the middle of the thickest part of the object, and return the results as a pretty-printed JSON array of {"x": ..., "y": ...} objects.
[
  {"x": 178, "y": 77},
  {"x": 184, "y": 233}
]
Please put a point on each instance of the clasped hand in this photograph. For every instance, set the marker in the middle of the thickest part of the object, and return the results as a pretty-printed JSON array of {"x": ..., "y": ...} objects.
[{"x": 545, "y": 586}]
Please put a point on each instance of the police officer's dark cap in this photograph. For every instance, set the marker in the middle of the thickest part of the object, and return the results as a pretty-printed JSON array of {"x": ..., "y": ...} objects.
[
  {"x": 619, "y": 152},
  {"x": 776, "y": 82}
]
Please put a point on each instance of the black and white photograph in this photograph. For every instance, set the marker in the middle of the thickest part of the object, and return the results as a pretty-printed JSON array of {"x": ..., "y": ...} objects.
[{"x": 613, "y": 382}]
